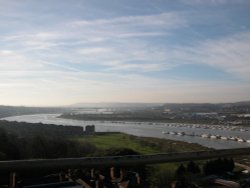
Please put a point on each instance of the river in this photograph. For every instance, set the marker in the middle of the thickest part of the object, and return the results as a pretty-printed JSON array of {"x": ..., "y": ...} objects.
[{"x": 151, "y": 129}]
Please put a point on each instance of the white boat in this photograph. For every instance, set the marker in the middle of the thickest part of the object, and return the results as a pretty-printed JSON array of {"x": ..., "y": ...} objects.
[
  {"x": 218, "y": 136},
  {"x": 248, "y": 141},
  {"x": 181, "y": 133},
  {"x": 205, "y": 135},
  {"x": 172, "y": 133},
  {"x": 213, "y": 137},
  {"x": 240, "y": 140},
  {"x": 233, "y": 138},
  {"x": 223, "y": 138},
  {"x": 165, "y": 132}
]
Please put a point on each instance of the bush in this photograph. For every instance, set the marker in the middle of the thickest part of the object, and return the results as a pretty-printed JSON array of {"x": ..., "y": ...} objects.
[{"x": 218, "y": 166}]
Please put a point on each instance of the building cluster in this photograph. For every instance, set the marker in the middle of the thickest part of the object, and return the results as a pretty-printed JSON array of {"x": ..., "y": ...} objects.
[
  {"x": 89, "y": 130},
  {"x": 209, "y": 117}
]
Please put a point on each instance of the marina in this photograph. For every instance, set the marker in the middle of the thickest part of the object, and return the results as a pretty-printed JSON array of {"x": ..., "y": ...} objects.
[{"x": 209, "y": 136}]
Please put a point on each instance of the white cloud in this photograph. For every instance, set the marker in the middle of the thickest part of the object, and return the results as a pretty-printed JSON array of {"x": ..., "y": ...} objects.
[
  {"x": 142, "y": 67},
  {"x": 230, "y": 54},
  {"x": 130, "y": 26},
  {"x": 33, "y": 41},
  {"x": 212, "y": 2},
  {"x": 5, "y": 52},
  {"x": 141, "y": 34},
  {"x": 94, "y": 51},
  {"x": 166, "y": 20}
]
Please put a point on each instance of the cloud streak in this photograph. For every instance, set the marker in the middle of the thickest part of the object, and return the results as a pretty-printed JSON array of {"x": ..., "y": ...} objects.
[
  {"x": 212, "y": 2},
  {"x": 229, "y": 54}
]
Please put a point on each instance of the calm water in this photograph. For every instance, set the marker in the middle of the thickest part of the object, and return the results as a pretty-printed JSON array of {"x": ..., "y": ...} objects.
[{"x": 151, "y": 129}]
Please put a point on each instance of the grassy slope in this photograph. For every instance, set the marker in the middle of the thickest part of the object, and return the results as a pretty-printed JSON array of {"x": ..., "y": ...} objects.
[{"x": 142, "y": 145}]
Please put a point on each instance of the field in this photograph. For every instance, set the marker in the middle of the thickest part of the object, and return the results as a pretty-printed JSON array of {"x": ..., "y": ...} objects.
[{"x": 143, "y": 145}]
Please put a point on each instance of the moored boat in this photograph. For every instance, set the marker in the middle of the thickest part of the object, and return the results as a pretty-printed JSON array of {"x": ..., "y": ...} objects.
[
  {"x": 240, "y": 140},
  {"x": 205, "y": 135},
  {"x": 223, "y": 138}
]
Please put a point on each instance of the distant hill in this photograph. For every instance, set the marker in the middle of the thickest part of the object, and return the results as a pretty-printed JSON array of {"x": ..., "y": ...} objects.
[{"x": 115, "y": 105}]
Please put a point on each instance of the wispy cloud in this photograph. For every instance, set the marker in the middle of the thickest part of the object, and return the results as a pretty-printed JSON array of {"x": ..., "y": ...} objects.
[
  {"x": 131, "y": 26},
  {"x": 94, "y": 51},
  {"x": 166, "y": 20},
  {"x": 5, "y": 52},
  {"x": 230, "y": 54},
  {"x": 99, "y": 41},
  {"x": 212, "y": 2}
]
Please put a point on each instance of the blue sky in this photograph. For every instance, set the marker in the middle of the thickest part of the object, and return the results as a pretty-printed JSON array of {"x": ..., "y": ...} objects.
[{"x": 59, "y": 52}]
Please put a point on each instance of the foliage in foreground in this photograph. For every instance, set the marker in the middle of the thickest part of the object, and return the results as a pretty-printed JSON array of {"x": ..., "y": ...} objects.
[{"x": 13, "y": 147}]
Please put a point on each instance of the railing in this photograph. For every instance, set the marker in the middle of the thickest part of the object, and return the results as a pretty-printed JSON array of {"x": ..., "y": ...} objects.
[{"x": 128, "y": 160}]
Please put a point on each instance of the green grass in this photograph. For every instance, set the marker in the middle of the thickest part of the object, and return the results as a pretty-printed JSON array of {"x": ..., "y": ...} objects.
[
  {"x": 142, "y": 145},
  {"x": 118, "y": 141}
]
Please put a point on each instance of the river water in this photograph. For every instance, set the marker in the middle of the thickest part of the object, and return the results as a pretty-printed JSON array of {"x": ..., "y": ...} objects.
[{"x": 151, "y": 129}]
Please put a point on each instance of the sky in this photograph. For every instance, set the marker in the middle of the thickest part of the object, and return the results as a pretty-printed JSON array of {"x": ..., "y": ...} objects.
[{"x": 61, "y": 52}]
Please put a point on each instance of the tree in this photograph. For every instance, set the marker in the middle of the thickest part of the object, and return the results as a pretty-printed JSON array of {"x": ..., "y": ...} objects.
[
  {"x": 218, "y": 166},
  {"x": 193, "y": 168},
  {"x": 231, "y": 164},
  {"x": 180, "y": 171}
]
